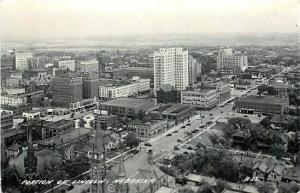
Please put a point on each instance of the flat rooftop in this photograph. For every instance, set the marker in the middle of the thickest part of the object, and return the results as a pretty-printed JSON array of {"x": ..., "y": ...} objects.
[
  {"x": 127, "y": 102},
  {"x": 262, "y": 99}
]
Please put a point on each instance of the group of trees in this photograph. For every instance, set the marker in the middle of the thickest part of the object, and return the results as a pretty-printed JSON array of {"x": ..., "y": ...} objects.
[
  {"x": 265, "y": 88},
  {"x": 211, "y": 163},
  {"x": 207, "y": 188},
  {"x": 257, "y": 135},
  {"x": 131, "y": 140}
]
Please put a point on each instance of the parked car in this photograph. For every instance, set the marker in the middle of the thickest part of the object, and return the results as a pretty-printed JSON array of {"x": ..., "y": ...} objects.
[
  {"x": 189, "y": 124},
  {"x": 175, "y": 131},
  {"x": 179, "y": 140},
  {"x": 169, "y": 134},
  {"x": 183, "y": 127},
  {"x": 148, "y": 144}
]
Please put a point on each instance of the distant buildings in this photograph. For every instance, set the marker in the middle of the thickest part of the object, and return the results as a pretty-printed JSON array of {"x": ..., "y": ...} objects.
[
  {"x": 23, "y": 61},
  {"x": 127, "y": 107},
  {"x": 66, "y": 64},
  {"x": 87, "y": 66},
  {"x": 171, "y": 67},
  {"x": 205, "y": 99},
  {"x": 229, "y": 62},
  {"x": 66, "y": 89},
  {"x": 129, "y": 72},
  {"x": 13, "y": 100},
  {"x": 136, "y": 86},
  {"x": 261, "y": 104}
]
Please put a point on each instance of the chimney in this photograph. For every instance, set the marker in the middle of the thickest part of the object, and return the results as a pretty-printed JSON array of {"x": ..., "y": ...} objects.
[{"x": 150, "y": 156}]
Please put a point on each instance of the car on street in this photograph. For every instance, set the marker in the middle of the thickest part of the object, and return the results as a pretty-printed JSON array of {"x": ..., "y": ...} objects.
[
  {"x": 201, "y": 126},
  {"x": 179, "y": 140},
  {"x": 209, "y": 123},
  {"x": 183, "y": 127},
  {"x": 169, "y": 135},
  {"x": 210, "y": 114},
  {"x": 175, "y": 131},
  {"x": 189, "y": 124},
  {"x": 148, "y": 144}
]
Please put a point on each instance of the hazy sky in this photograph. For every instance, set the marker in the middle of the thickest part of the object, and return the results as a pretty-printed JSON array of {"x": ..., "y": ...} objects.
[{"x": 72, "y": 18}]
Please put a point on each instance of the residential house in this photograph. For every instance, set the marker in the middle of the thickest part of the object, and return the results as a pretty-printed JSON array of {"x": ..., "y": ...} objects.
[{"x": 269, "y": 170}]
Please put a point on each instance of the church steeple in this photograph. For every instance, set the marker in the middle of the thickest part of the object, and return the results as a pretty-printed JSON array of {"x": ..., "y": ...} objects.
[
  {"x": 122, "y": 187},
  {"x": 30, "y": 161},
  {"x": 121, "y": 171},
  {"x": 98, "y": 159}
]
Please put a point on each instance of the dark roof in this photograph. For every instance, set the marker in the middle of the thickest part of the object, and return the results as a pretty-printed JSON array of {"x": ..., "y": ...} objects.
[
  {"x": 262, "y": 99},
  {"x": 126, "y": 102}
]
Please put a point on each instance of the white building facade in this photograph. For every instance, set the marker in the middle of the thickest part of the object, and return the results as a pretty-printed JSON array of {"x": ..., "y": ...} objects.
[
  {"x": 201, "y": 98},
  {"x": 171, "y": 67},
  {"x": 66, "y": 64},
  {"x": 13, "y": 100},
  {"x": 135, "y": 87},
  {"x": 87, "y": 66},
  {"x": 228, "y": 59},
  {"x": 23, "y": 61}
]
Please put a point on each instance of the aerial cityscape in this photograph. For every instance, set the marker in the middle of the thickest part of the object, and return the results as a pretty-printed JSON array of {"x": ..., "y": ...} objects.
[{"x": 148, "y": 102}]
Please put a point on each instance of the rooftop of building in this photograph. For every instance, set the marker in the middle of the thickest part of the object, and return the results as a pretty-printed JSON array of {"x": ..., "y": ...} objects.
[
  {"x": 172, "y": 108},
  {"x": 127, "y": 102},
  {"x": 67, "y": 137},
  {"x": 60, "y": 123},
  {"x": 262, "y": 99}
]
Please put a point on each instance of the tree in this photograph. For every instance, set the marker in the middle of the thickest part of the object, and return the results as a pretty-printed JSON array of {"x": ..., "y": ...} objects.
[
  {"x": 288, "y": 188},
  {"x": 271, "y": 90},
  {"x": 131, "y": 140},
  {"x": 168, "y": 170},
  {"x": 141, "y": 115},
  {"x": 220, "y": 186},
  {"x": 264, "y": 188},
  {"x": 239, "y": 122},
  {"x": 262, "y": 88},
  {"x": 186, "y": 190},
  {"x": 81, "y": 123}
]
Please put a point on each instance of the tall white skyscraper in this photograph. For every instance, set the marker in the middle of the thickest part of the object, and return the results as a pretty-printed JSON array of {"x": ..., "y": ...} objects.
[
  {"x": 171, "y": 67},
  {"x": 23, "y": 61}
]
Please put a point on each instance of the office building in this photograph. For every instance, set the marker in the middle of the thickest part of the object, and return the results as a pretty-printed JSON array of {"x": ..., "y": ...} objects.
[
  {"x": 87, "y": 66},
  {"x": 204, "y": 99},
  {"x": 23, "y": 61},
  {"x": 261, "y": 104},
  {"x": 281, "y": 87},
  {"x": 66, "y": 64},
  {"x": 171, "y": 67},
  {"x": 6, "y": 120},
  {"x": 148, "y": 129},
  {"x": 133, "y": 87},
  {"x": 223, "y": 90},
  {"x": 90, "y": 84},
  {"x": 127, "y": 107},
  {"x": 13, "y": 100},
  {"x": 66, "y": 89},
  {"x": 229, "y": 62}
]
